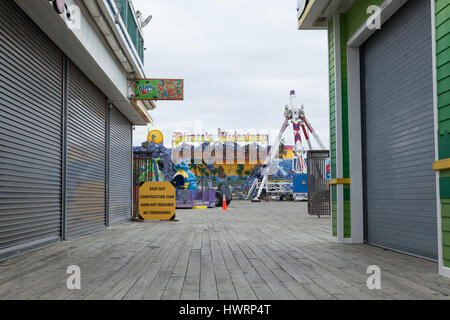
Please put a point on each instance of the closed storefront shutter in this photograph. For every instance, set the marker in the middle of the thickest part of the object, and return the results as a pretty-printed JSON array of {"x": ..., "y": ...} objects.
[
  {"x": 86, "y": 149},
  {"x": 30, "y": 134},
  {"x": 120, "y": 183},
  {"x": 400, "y": 182}
]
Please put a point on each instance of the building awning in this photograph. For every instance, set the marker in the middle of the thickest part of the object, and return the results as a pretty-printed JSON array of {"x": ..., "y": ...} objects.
[
  {"x": 142, "y": 110},
  {"x": 316, "y": 14}
]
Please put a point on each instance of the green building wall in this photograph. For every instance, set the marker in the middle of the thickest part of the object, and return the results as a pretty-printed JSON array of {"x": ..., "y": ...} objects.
[
  {"x": 332, "y": 97},
  {"x": 350, "y": 23},
  {"x": 333, "y": 146},
  {"x": 445, "y": 209},
  {"x": 442, "y": 8},
  {"x": 344, "y": 121},
  {"x": 332, "y": 92}
]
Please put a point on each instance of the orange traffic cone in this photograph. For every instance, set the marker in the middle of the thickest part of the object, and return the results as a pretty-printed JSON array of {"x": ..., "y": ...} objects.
[{"x": 224, "y": 203}]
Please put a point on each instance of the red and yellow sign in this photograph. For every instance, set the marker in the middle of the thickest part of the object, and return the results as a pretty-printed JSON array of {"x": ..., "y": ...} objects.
[{"x": 157, "y": 201}]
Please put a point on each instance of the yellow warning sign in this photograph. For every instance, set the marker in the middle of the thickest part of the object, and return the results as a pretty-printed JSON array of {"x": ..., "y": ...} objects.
[{"x": 157, "y": 201}]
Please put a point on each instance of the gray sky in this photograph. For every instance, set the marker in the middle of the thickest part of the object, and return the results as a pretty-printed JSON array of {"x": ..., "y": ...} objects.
[{"x": 239, "y": 59}]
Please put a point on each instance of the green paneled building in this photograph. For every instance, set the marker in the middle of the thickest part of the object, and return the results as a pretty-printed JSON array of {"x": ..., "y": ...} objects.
[{"x": 389, "y": 93}]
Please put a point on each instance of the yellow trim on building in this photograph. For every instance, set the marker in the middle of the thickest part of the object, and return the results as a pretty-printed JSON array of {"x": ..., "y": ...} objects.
[
  {"x": 339, "y": 181},
  {"x": 441, "y": 165}
]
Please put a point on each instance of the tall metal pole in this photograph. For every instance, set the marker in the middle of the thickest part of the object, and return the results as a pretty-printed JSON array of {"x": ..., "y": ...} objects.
[{"x": 270, "y": 158}]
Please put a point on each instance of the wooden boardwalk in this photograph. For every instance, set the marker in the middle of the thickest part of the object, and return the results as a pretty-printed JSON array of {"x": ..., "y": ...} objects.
[{"x": 252, "y": 251}]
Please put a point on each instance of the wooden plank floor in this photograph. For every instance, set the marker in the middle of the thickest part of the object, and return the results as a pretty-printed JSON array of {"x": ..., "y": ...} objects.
[{"x": 252, "y": 251}]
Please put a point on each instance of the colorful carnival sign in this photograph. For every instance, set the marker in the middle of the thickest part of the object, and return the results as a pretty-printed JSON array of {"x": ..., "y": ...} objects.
[
  {"x": 224, "y": 137},
  {"x": 159, "y": 89}
]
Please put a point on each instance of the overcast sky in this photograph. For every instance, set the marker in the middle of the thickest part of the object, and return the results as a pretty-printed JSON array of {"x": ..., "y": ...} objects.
[{"x": 239, "y": 59}]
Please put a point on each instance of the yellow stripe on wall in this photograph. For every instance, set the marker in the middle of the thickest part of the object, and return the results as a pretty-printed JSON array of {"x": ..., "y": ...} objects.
[
  {"x": 441, "y": 165},
  {"x": 339, "y": 181}
]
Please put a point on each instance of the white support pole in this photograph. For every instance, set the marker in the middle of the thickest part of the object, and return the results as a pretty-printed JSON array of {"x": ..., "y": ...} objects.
[
  {"x": 314, "y": 134},
  {"x": 270, "y": 158},
  {"x": 355, "y": 145},
  {"x": 261, "y": 187},
  {"x": 252, "y": 188}
]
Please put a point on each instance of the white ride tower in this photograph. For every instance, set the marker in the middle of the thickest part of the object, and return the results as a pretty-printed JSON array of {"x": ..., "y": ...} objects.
[{"x": 297, "y": 117}]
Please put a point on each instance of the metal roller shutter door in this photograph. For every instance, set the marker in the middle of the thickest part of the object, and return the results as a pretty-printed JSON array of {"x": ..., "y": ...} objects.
[
  {"x": 31, "y": 134},
  {"x": 120, "y": 184},
  {"x": 400, "y": 182},
  {"x": 86, "y": 148}
]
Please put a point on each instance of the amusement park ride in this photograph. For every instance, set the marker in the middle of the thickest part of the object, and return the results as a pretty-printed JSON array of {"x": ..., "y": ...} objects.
[{"x": 295, "y": 115}]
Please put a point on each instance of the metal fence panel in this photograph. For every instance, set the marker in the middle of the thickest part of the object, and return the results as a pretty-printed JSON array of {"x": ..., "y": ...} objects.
[
  {"x": 318, "y": 187},
  {"x": 142, "y": 172}
]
